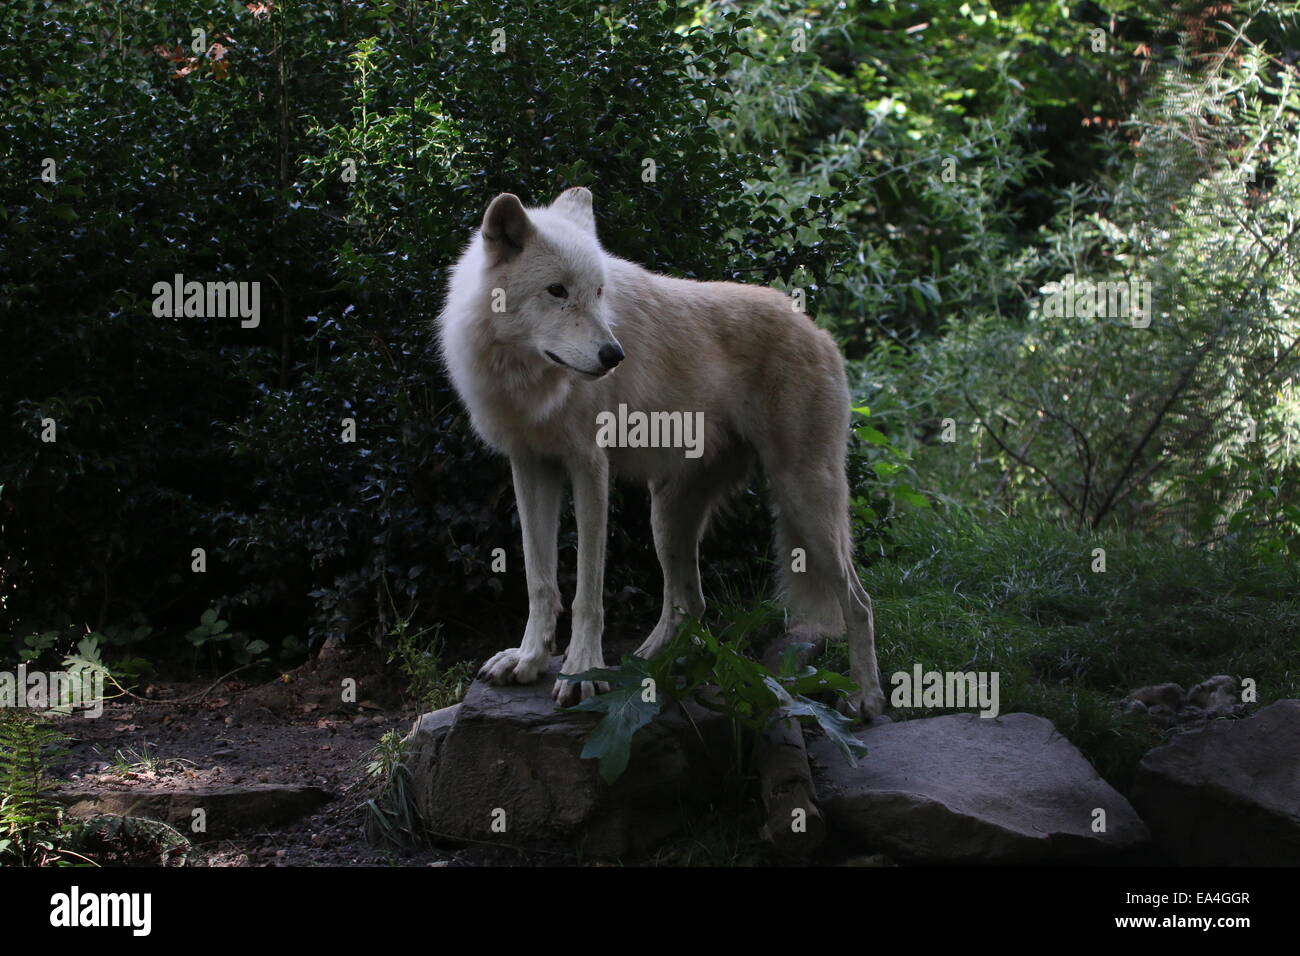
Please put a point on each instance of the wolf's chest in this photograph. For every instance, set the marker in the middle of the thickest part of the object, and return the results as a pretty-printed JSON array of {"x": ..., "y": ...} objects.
[{"x": 514, "y": 416}]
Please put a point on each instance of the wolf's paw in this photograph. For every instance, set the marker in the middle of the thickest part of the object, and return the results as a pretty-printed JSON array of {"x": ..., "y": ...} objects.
[
  {"x": 867, "y": 705},
  {"x": 511, "y": 666},
  {"x": 569, "y": 692},
  {"x": 651, "y": 646}
]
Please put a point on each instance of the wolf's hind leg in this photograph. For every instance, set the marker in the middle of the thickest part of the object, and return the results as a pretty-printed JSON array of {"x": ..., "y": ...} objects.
[
  {"x": 823, "y": 594},
  {"x": 869, "y": 702},
  {"x": 539, "y": 487},
  {"x": 806, "y": 579}
]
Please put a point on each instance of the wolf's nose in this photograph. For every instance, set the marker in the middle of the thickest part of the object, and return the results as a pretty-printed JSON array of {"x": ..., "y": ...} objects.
[{"x": 610, "y": 355}]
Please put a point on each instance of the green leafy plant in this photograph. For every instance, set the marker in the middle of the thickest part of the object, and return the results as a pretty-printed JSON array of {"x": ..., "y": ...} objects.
[
  {"x": 391, "y": 817},
  {"x": 34, "y": 645},
  {"x": 434, "y": 684},
  {"x": 888, "y": 469},
  {"x": 32, "y": 831},
  {"x": 210, "y": 629},
  {"x": 631, "y": 702},
  {"x": 698, "y": 665},
  {"x": 418, "y": 651},
  {"x": 87, "y": 650},
  {"x": 213, "y": 632},
  {"x": 132, "y": 761}
]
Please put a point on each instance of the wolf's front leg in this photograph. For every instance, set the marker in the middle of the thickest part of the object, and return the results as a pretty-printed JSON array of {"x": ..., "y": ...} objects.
[
  {"x": 539, "y": 487},
  {"x": 590, "y": 507}
]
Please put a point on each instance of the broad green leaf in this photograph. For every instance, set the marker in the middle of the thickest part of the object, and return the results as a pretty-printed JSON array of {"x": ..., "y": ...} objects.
[
  {"x": 836, "y": 726},
  {"x": 624, "y": 711}
]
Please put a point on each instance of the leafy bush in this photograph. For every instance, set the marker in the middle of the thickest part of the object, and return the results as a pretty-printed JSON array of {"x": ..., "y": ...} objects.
[
  {"x": 341, "y": 154},
  {"x": 225, "y": 160},
  {"x": 951, "y": 124},
  {"x": 1183, "y": 416}
]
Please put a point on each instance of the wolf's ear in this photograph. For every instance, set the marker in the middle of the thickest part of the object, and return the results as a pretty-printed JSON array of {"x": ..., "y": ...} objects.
[
  {"x": 576, "y": 204},
  {"x": 506, "y": 227}
]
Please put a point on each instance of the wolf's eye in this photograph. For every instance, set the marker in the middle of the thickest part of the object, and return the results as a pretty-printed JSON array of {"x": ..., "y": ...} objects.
[
  {"x": 558, "y": 291},
  {"x": 599, "y": 290}
]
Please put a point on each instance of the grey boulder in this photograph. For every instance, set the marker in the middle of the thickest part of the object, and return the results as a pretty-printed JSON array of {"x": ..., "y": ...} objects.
[
  {"x": 504, "y": 767},
  {"x": 966, "y": 789},
  {"x": 1228, "y": 793}
]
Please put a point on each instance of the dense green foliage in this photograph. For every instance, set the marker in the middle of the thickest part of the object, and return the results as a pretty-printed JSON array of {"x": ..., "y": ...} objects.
[
  {"x": 927, "y": 172},
  {"x": 234, "y": 164},
  {"x": 1183, "y": 416}
]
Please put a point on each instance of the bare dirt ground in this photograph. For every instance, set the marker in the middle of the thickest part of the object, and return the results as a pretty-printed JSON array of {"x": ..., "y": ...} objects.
[
  {"x": 294, "y": 729},
  {"x": 261, "y": 727}
]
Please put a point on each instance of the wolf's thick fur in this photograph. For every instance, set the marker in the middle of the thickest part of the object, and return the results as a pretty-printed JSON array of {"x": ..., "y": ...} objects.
[{"x": 535, "y": 372}]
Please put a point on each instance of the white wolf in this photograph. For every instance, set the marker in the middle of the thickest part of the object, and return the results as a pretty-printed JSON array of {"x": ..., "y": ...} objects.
[{"x": 543, "y": 330}]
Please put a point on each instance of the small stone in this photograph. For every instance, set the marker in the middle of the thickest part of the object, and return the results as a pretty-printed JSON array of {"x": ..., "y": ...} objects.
[
  {"x": 1168, "y": 695},
  {"x": 1133, "y": 708},
  {"x": 1220, "y": 696}
]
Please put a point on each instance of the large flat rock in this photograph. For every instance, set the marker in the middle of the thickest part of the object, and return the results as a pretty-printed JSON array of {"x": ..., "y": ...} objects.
[
  {"x": 1227, "y": 793},
  {"x": 504, "y": 766},
  {"x": 966, "y": 789}
]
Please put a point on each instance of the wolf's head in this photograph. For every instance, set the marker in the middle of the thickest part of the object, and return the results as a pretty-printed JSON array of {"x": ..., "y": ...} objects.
[{"x": 545, "y": 272}]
